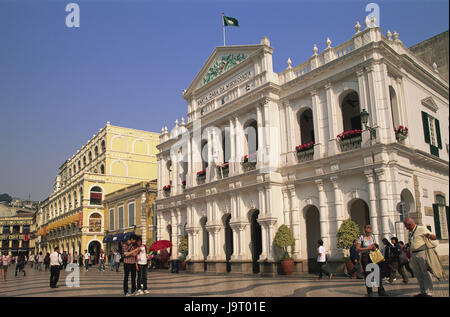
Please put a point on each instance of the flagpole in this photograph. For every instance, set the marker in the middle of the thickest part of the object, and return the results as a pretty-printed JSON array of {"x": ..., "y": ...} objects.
[{"x": 223, "y": 27}]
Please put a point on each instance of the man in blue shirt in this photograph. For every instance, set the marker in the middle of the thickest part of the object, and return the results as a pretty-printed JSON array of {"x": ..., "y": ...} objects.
[{"x": 354, "y": 257}]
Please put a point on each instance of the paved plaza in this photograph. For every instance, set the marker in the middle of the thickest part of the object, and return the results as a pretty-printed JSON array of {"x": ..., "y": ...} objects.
[{"x": 162, "y": 283}]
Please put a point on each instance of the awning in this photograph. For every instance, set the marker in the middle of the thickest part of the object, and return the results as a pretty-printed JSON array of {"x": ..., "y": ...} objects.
[
  {"x": 117, "y": 237},
  {"x": 107, "y": 238},
  {"x": 127, "y": 236}
]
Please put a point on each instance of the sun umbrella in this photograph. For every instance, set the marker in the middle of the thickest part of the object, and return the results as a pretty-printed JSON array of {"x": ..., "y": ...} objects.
[{"x": 159, "y": 245}]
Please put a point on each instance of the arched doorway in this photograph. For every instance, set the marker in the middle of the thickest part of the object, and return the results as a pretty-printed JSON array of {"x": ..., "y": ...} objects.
[
  {"x": 359, "y": 213},
  {"x": 94, "y": 250},
  {"x": 251, "y": 138},
  {"x": 256, "y": 240},
  {"x": 305, "y": 120},
  {"x": 205, "y": 240},
  {"x": 312, "y": 220},
  {"x": 228, "y": 241}
]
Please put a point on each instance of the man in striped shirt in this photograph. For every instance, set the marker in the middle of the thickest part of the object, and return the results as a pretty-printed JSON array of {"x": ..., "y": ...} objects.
[{"x": 130, "y": 250}]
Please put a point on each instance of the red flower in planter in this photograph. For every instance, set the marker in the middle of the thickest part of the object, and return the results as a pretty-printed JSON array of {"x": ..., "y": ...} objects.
[
  {"x": 348, "y": 134},
  {"x": 222, "y": 165},
  {"x": 167, "y": 187},
  {"x": 401, "y": 129},
  {"x": 201, "y": 172},
  {"x": 305, "y": 146}
]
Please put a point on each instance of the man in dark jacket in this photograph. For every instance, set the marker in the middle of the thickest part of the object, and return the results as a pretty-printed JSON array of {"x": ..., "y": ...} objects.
[
  {"x": 20, "y": 266},
  {"x": 354, "y": 257}
]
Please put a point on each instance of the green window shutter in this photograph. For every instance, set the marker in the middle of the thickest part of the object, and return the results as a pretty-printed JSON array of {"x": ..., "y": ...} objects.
[
  {"x": 426, "y": 127},
  {"x": 438, "y": 133},
  {"x": 434, "y": 150},
  {"x": 437, "y": 221},
  {"x": 446, "y": 212}
]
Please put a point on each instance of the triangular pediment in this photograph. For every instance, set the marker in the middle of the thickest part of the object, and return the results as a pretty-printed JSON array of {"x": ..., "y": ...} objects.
[
  {"x": 222, "y": 60},
  {"x": 430, "y": 103}
]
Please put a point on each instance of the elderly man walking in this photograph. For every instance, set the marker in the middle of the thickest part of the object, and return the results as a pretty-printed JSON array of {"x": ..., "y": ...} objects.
[{"x": 424, "y": 257}]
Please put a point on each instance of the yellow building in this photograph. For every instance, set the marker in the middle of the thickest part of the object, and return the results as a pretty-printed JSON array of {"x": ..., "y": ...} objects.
[
  {"x": 130, "y": 210},
  {"x": 72, "y": 217}
]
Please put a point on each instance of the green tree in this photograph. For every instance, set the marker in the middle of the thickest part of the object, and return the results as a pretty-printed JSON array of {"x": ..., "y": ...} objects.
[
  {"x": 5, "y": 197},
  {"x": 183, "y": 247},
  {"x": 284, "y": 239},
  {"x": 348, "y": 232}
]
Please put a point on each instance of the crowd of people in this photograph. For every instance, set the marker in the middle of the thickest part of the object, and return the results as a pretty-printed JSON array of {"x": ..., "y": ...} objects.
[{"x": 418, "y": 258}]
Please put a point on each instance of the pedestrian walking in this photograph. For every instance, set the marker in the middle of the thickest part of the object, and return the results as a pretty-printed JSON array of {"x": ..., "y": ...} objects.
[
  {"x": 47, "y": 261},
  {"x": 87, "y": 258},
  {"x": 117, "y": 258},
  {"x": 75, "y": 257},
  {"x": 80, "y": 260},
  {"x": 4, "y": 263},
  {"x": 129, "y": 250},
  {"x": 65, "y": 259},
  {"x": 40, "y": 261},
  {"x": 322, "y": 260},
  {"x": 36, "y": 261},
  {"x": 354, "y": 257},
  {"x": 101, "y": 262},
  {"x": 55, "y": 266},
  {"x": 142, "y": 267},
  {"x": 398, "y": 261},
  {"x": 111, "y": 260},
  {"x": 20, "y": 266},
  {"x": 366, "y": 243},
  {"x": 386, "y": 266},
  {"x": 69, "y": 258},
  {"x": 424, "y": 257},
  {"x": 30, "y": 260}
]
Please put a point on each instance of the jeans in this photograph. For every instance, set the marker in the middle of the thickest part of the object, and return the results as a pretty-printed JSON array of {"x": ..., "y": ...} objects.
[
  {"x": 100, "y": 265},
  {"x": 322, "y": 270},
  {"x": 129, "y": 268},
  {"x": 39, "y": 266},
  {"x": 365, "y": 259},
  {"x": 86, "y": 263},
  {"x": 54, "y": 275},
  {"x": 117, "y": 266},
  {"x": 112, "y": 265},
  {"x": 175, "y": 266},
  {"x": 142, "y": 277},
  {"x": 356, "y": 268}
]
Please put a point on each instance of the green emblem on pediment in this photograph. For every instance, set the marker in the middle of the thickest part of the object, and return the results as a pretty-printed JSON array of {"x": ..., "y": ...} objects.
[{"x": 221, "y": 65}]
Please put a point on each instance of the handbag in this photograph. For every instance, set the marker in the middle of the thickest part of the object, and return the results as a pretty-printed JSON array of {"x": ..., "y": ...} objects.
[{"x": 376, "y": 256}]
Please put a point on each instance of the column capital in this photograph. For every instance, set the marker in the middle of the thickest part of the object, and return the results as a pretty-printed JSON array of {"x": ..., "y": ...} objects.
[
  {"x": 313, "y": 92},
  {"x": 264, "y": 101},
  {"x": 291, "y": 189},
  {"x": 334, "y": 179},
  {"x": 381, "y": 174},
  {"x": 319, "y": 183},
  {"x": 369, "y": 175},
  {"x": 360, "y": 72},
  {"x": 328, "y": 86}
]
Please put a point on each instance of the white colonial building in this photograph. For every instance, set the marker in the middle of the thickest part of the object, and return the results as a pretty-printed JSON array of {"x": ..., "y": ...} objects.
[{"x": 261, "y": 149}]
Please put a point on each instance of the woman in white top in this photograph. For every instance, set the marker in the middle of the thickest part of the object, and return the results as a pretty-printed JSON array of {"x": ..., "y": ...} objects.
[
  {"x": 4, "y": 263},
  {"x": 322, "y": 260},
  {"x": 142, "y": 268}
]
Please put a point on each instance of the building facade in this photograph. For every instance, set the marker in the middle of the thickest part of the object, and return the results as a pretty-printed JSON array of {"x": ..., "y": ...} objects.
[
  {"x": 17, "y": 229},
  {"x": 261, "y": 149},
  {"x": 72, "y": 217},
  {"x": 130, "y": 210}
]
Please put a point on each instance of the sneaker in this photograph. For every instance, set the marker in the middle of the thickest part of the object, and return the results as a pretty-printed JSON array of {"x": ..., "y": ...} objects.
[
  {"x": 128, "y": 294},
  {"x": 146, "y": 292},
  {"x": 139, "y": 292},
  {"x": 330, "y": 276}
]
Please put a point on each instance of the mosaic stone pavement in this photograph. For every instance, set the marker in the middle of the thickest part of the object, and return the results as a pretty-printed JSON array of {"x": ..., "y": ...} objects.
[{"x": 162, "y": 283}]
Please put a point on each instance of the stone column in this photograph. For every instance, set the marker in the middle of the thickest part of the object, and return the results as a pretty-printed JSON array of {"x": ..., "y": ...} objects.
[
  {"x": 295, "y": 221},
  {"x": 286, "y": 207},
  {"x": 319, "y": 138},
  {"x": 173, "y": 214},
  {"x": 239, "y": 153},
  {"x": 338, "y": 203},
  {"x": 232, "y": 163},
  {"x": 323, "y": 210},
  {"x": 290, "y": 121},
  {"x": 383, "y": 202},
  {"x": 332, "y": 120},
  {"x": 260, "y": 131},
  {"x": 373, "y": 214}
]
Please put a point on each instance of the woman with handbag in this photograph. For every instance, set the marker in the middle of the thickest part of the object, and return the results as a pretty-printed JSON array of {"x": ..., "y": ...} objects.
[{"x": 365, "y": 245}]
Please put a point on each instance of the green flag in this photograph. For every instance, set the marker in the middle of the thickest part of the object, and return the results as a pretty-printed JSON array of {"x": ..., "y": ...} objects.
[{"x": 228, "y": 21}]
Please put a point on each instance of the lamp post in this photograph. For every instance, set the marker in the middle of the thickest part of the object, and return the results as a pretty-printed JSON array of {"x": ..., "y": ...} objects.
[{"x": 364, "y": 120}]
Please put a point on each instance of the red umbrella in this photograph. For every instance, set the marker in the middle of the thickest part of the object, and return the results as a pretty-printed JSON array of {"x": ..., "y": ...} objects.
[{"x": 159, "y": 245}]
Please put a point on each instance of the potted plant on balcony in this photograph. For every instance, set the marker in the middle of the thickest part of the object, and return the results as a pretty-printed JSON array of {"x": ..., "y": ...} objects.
[
  {"x": 284, "y": 239},
  {"x": 183, "y": 183},
  {"x": 223, "y": 169},
  {"x": 183, "y": 248},
  {"x": 305, "y": 150},
  {"x": 347, "y": 233},
  {"x": 167, "y": 188},
  {"x": 401, "y": 133},
  {"x": 249, "y": 161},
  {"x": 349, "y": 139},
  {"x": 201, "y": 176}
]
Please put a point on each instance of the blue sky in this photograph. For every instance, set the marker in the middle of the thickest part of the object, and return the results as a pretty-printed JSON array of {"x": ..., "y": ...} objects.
[{"x": 130, "y": 59}]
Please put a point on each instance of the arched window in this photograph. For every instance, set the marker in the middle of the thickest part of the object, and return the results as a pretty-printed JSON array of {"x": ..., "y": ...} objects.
[
  {"x": 79, "y": 166},
  {"x": 102, "y": 169},
  {"x": 351, "y": 112},
  {"x": 306, "y": 123},
  {"x": 90, "y": 156},
  {"x": 84, "y": 161},
  {"x": 74, "y": 169},
  {"x": 103, "y": 146},
  {"x": 394, "y": 108},
  {"x": 251, "y": 137},
  {"x": 75, "y": 201},
  {"x": 95, "y": 196},
  {"x": 204, "y": 153},
  {"x": 70, "y": 202},
  {"x": 96, "y": 151},
  {"x": 95, "y": 223}
]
